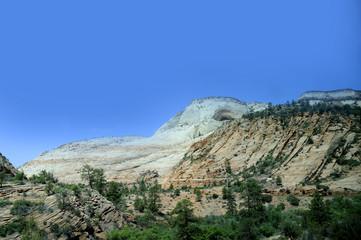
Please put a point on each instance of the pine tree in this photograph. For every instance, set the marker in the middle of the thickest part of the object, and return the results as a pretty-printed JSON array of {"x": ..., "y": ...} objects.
[
  {"x": 231, "y": 203},
  {"x": 154, "y": 198},
  {"x": 228, "y": 167},
  {"x": 2, "y": 178},
  {"x": 184, "y": 219},
  {"x": 198, "y": 193},
  {"x": 113, "y": 194},
  {"x": 252, "y": 192},
  {"x": 318, "y": 209}
]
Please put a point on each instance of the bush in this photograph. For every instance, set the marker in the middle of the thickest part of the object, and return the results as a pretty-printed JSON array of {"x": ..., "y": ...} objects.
[
  {"x": 266, "y": 198},
  {"x": 139, "y": 204},
  {"x": 267, "y": 229},
  {"x": 49, "y": 188},
  {"x": 4, "y": 202},
  {"x": 43, "y": 177},
  {"x": 25, "y": 207},
  {"x": 32, "y": 232},
  {"x": 279, "y": 181},
  {"x": 350, "y": 162},
  {"x": 20, "y": 176},
  {"x": 176, "y": 192},
  {"x": 293, "y": 200},
  {"x": 214, "y": 195},
  {"x": 16, "y": 226}
]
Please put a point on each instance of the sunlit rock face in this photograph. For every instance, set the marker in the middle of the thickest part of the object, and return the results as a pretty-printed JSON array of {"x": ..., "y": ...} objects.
[
  {"x": 345, "y": 96},
  {"x": 127, "y": 158},
  {"x": 6, "y": 166},
  {"x": 203, "y": 116}
]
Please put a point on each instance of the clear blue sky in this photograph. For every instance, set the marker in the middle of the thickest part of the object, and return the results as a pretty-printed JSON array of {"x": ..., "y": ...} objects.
[{"x": 71, "y": 70}]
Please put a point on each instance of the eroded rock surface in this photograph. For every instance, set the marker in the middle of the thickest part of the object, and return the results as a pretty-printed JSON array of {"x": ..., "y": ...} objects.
[
  {"x": 303, "y": 149},
  {"x": 89, "y": 216},
  {"x": 127, "y": 158}
]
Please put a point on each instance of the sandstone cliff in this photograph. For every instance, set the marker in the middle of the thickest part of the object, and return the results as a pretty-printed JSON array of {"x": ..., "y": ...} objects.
[
  {"x": 303, "y": 149},
  {"x": 127, "y": 158},
  {"x": 6, "y": 166},
  {"x": 186, "y": 150},
  {"x": 87, "y": 216},
  {"x": 345, "y": 96}
]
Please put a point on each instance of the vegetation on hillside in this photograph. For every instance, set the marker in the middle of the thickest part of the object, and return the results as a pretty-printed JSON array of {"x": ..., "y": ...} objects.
[{"x": 291, "y": 109}]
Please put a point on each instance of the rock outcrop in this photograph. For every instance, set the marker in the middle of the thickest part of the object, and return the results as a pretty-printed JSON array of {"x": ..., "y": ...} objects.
[
  {"x": 6, "y": 166},
  {"x": 162, "y": 156},
  {"x": 345, "y": 96},
  {"x": 303, "y": 149},
  {"x": 88, "y": 216},
  {"x": 127, "y": 158}
]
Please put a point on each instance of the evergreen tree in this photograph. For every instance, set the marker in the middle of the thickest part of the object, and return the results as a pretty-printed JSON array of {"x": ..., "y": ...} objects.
[
  {"x": 139, "y": 204},
  {"x": 87, "y": 174},
  {"x": 142, "y": 186},
  {"x": 231, "y": 203},
  {"x": 318, "y": 210},
  {"x": 94, "y": 176},
  {"x": 224, "y": 192},
  {"x": 100, "y": 181},
  {"x": 228, "y": 167},
  {"x": 184, "y": 219},
  {"x": 197, "y": 191},
  {"x": 49, "y": 188},
  {"x": 154, "y": 198},
  {"x": 2, "y": 178},
  {"x": 252, "y": 192},
  {"x": 113, "y": 194},
  {"x": 279, "y": 181}
]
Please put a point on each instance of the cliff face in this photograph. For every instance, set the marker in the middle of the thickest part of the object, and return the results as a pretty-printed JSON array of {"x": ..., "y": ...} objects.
[
  {"x": 6, "y": 166},
  {"x": 128, "y": 158},
  {"x": 303, "y": 149},
  {"x": 88, "y": 216},
  {"x": 207, "y": 133},
  {"x": 346, "y": 96}
]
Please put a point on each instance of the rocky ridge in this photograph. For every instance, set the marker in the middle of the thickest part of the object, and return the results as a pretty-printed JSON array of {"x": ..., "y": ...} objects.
[
  {"x": 127, "y": 158},
  {"x": 302, "y": 149},
  {"x": 89, "y": 216},
  {"x": 345, "y": 96},
  {"x": 6, "y": 166}
]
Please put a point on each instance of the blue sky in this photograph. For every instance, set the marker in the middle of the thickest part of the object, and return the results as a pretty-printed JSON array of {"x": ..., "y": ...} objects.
[{"x": 71, "y": 70}]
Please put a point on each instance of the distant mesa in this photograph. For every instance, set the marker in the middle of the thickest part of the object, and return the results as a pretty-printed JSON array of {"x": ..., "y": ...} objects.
[{"x": 344, "y": 96}]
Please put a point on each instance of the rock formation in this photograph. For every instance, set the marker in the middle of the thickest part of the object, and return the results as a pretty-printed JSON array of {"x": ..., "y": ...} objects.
[
  {"x": 192, "y": 147},
  {"x": 304, "y": 149},
  {"x": 6, "y": 166},
  {"x": 89, "y": 216},
  {"x": 127, "y": 158},
  {"x": 345, "y": 96}
]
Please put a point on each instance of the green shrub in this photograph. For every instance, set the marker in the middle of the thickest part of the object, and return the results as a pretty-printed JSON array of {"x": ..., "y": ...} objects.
[
  {"x": 31, "y": 231},
  {"x": 4, "y": 202},
  {"x": 266, "y": 198},
  {"x": 20, "y": 176},
  {"x": 267, "y": 229},
  {"x": 49, "y": 188},
  {"x": 349, "y": 162},
  {"x": 24, "y": 207},
  {"x": 176, "y": 192},
  {"x": 15, "y": 226},
  {"x": 139, "y": 204},
  {"x": 293, "y": 200},
  {"x": 43, "y": 177}
]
